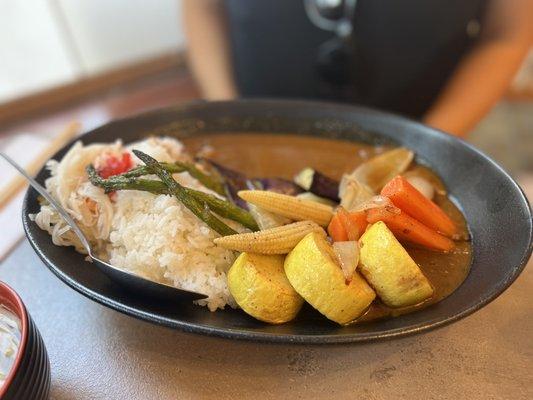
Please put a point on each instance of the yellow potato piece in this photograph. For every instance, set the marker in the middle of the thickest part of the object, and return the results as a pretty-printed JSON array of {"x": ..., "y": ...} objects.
[
  {"x": 312, "y": 270},
  {"x": 260, "y": 287},
  {"x": 390, "y": 270}
]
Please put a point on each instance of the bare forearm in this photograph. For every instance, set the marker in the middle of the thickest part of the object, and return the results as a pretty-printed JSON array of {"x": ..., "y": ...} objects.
[
  {"x": 479, "y": 81},
  {"x": 208, "y": 48},
  {"x": 483, "y": 76}
]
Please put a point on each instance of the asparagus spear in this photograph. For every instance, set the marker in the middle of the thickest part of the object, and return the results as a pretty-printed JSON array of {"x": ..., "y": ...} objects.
[
  {"x": 119, "y": 182},
  {"x": 144, "y": 170},
  {"x": 233, "y": 181},
  {"x": 221, "y": 207},
  {"x": 198, "y": 208},
  {"x": 208, "y": 181},
  {"x": 225, "y": 209}
]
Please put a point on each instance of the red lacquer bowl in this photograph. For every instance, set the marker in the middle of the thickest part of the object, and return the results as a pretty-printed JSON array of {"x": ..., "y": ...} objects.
[{"x": 29, "y": 377}]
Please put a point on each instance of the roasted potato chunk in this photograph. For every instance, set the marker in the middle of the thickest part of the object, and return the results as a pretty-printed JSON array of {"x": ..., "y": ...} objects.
[
  {"x": 313, "y": 271},
  {"x": 390, "y": 270},
  {"x": 260, "y": 287}
]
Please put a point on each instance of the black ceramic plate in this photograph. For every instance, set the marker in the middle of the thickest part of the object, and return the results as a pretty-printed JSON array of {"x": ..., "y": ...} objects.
[{"x": 496, "y": 210}]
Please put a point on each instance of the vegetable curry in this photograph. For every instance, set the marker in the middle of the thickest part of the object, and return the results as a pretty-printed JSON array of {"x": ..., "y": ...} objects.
[{"x": 284, "y": 156}]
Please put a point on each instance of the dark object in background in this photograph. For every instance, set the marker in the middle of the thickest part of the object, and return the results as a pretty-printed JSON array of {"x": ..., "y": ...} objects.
[
  {"x": 400, "y": 54},
  {"x": 29, "y": 378},
  {"x": 497, "y": 212}
]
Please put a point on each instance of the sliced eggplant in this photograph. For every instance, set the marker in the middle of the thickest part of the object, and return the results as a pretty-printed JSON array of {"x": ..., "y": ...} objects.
[
  {"x": 233, "y": 182},
  {"x": 318, "y": 183},
  {"x": 304, "y": 178},
  {"x": 279, "y": 185}
]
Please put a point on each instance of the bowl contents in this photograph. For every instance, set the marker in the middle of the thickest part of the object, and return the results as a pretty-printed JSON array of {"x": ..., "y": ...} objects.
[
  {"x": 377, "y": 238},
  {"x": 10, "y": 334},
  {"x": 144, "y": 230}
]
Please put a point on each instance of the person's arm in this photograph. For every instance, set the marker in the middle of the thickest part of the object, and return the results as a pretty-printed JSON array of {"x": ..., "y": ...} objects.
[
  {"x": 484, "y": 74},
  {"x": 208, "y": 48}
]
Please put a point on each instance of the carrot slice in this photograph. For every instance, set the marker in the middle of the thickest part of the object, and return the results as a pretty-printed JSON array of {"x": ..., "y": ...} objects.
[
  {"x": 358, "y": 218},
  {"x": 345, "y": 226},
  {"x": 336, "y": 229},
  {"x": 352, "y": 231},
  {"x": 407, "y": 198},
  {"x": 408, "y": 229}
]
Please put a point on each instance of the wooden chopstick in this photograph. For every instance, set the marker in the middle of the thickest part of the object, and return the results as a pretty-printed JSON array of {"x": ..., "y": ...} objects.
[{"x": 18, "y": 182}]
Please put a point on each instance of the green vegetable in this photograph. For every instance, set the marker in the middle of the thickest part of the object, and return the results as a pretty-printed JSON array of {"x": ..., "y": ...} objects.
[
  {"x": 198, "y": 208},
  {"x": 209, "y": 181},
  {"x": 144, "y": 170},
  {"x": 226, "y": 209},
  {"x": 221, "y": 207}
]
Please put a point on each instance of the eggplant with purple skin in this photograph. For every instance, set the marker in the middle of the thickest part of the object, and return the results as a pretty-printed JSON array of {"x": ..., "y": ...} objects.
[
  {"x": 318, "y": 183},
  {"x": 233, "y": 182},
  {"x": 279, "y": 185}
]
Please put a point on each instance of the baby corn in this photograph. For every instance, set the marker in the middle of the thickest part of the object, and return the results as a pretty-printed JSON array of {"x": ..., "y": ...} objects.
[
  {"x": 279, "y": 240},
  {"x": 289, "y": 206}
]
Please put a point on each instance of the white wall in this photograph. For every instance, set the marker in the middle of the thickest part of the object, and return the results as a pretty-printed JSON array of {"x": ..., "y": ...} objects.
[
  {"x": 44, "y": 43},
  {"x": 110, "y": 33},
  {"x": 32, "y": 53}
]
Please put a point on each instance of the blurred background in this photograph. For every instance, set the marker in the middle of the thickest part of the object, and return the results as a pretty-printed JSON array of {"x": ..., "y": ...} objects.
[{"x": 70, "y": 65}]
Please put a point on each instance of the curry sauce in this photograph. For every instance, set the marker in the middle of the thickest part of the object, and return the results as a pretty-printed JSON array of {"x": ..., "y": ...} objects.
[{"x": 269, "y": 155}]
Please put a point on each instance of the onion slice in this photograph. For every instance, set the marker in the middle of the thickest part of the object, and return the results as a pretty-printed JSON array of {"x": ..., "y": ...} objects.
[
  {"x": 422, "y": 185},
  {"x": 266, "y": 219},
  {"x": 313, "y": 197},
  {"x": 377, "y": 171},
  {"x": 347, "y": 254},
  {"x": 378, "y": 202},
  {"x": 352, "y": 192}
]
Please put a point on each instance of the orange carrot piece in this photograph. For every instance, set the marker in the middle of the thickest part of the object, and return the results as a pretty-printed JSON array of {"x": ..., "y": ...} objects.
[
  {"x": 352, "y": 232},
  {"x": 358, "y": 218},
  {"x": 408, "y": 229},
  {"x": 346, "y": 226},
  {"x": 407, "y": 198},
  {"x": 336, "y": 229}
]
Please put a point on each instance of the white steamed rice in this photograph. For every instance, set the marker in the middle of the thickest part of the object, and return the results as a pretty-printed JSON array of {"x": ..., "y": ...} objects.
[{"x": 154, "y": 236}]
